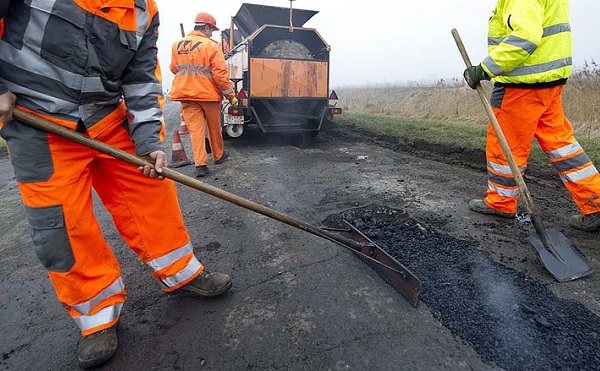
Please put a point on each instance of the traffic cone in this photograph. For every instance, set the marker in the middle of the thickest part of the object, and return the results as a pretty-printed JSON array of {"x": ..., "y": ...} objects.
[
  {"x": 183, "y": 129},
  {"x": 178, "y": 156}
]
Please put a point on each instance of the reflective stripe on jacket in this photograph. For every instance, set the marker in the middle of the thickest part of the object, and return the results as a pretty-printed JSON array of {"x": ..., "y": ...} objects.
[
  {"x": 529, "y": 42},
  {"x": 200, "y": 71},
  {"x": 72, "y": 60}
]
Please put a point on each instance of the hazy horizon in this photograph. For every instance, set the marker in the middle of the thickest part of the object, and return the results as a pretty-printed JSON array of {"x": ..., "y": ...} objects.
[{"x": 388, "y": 42}]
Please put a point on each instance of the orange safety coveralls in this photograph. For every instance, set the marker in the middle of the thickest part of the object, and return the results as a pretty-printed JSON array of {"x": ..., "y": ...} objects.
[
  {"x": 91, "y": 65},
  {"x": 201, "y": 80}
]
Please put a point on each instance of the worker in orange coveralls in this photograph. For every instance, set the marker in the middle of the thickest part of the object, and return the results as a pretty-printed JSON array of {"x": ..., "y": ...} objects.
[
  {"x": 92, "y": 66},
  {"x": 529, "y": 60},
  {"x": 201, "y": 80}
]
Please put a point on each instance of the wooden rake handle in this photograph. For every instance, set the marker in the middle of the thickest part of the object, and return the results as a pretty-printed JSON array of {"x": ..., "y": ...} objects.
[{"x": 50, "y": 127}]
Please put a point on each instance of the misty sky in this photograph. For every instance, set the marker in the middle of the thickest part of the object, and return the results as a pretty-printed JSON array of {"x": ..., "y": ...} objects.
[{"x": 385, "y": 41}]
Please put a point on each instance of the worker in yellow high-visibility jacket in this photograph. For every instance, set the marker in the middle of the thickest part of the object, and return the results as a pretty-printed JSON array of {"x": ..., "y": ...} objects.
[{"x": 529, "y": 60}]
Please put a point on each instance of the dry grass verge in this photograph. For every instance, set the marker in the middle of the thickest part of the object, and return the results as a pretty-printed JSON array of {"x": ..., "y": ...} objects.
[{"x": 451, "y": 112}]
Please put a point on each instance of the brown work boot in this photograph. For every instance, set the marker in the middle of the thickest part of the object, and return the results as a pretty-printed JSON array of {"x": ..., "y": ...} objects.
[
  {"x": 479, "y": 206},
  {"x": 588, "y": 223},
  {"x": 97, "y": 348},
  {"x": 209, "y": 284}
]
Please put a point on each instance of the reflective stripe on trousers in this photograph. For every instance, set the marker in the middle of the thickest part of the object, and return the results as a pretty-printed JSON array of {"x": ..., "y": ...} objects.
[
  {"x": 524, "y": 114},
  {"x": 56, "y": 177}
]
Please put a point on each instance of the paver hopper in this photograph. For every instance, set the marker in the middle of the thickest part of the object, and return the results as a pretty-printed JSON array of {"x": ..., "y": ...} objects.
[{"x": 280, "y": 71}]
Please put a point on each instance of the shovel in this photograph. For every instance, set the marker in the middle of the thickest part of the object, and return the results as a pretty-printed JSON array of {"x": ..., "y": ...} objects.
[
  {"x": 394, "y": 273},
  {"x": 558, "y": 254}
]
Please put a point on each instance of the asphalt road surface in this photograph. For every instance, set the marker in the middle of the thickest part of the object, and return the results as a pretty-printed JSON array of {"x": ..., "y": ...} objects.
[{"x": 300, "y": 302}]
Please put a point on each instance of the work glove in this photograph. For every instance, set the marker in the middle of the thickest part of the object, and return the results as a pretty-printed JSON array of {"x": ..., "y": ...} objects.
[
  {"x": 234, "y": 102},
  {"x": 474, "y": 74}
]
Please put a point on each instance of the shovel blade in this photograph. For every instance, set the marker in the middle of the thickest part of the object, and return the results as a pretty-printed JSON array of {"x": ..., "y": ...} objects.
[{"x": 570, "y": 264}]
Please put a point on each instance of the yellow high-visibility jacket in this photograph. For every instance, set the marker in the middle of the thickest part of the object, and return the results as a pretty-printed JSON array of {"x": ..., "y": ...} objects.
[{"x": 529, "y": 42}]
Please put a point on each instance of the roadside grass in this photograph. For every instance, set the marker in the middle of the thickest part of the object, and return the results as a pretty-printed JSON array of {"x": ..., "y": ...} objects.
[
  {"x": 456, "y": 133},
  {"x": 2, "y": 144},
  {"x": 449, "y": 112},
  {"x": 591, "y": 147},
  {"x": 464, "y": 134},
  {"x": 459, "y": 133}
]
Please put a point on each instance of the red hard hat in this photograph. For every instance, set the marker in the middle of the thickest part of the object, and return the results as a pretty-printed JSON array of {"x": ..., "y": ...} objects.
[{"x": 206, "y": 18}]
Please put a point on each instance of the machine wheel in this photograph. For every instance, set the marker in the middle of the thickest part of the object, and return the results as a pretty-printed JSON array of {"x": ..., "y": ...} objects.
[{"x": 234, "y": 131}]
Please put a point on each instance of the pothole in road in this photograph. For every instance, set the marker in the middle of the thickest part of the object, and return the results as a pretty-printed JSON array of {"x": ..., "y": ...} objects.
[{"x": 511, "y": 321}]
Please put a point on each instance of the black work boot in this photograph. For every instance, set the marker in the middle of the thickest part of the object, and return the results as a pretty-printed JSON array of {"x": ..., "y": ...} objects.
[
  {"x": 588, "y": 223},
  {"x": 201, "y": 171},
  {"x": 209, "y": 284},
  {"x": 97, "y": 348},
  {"x": 223, "y": 158},
  {"x": 479, "y": 206}
]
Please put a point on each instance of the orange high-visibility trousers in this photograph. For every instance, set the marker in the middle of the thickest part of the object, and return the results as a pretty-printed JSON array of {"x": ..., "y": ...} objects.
[
  {"x": 524, "y": 114},
  {"x": 199, "y": 115},
  {"x": 56, "y": 177}
]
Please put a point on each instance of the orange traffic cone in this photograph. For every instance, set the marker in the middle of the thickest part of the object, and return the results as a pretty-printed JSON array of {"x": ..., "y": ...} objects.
[
  {"x": 183, "y": 129},
  {"x": 178, "y": 156}
]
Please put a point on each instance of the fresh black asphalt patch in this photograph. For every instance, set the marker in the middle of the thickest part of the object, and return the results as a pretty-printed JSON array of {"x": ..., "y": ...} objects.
[{"x": 511, "y": 321}]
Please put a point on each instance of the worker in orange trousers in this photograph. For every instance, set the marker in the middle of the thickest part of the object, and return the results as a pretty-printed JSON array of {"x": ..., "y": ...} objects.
[
  {"x": 92, "y": 66},
  {"x": 529, "y": 60},
  {"x": 200, "y": 83}
]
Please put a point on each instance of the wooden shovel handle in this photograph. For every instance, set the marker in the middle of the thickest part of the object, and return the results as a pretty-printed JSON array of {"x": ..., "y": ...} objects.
[
  {"x": 501, "y": 138},
  {"x": 536, "y": 220}
]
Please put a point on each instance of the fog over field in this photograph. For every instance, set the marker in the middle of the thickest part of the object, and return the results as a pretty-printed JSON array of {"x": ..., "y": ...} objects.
[{"x": 385, "y": 41}]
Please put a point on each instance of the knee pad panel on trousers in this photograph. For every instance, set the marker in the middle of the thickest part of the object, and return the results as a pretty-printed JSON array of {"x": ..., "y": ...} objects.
[
  {"x": 497, "y": 96},
  {"x": 29, "y": 152},
  {"x": 50, "y": 238}
]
